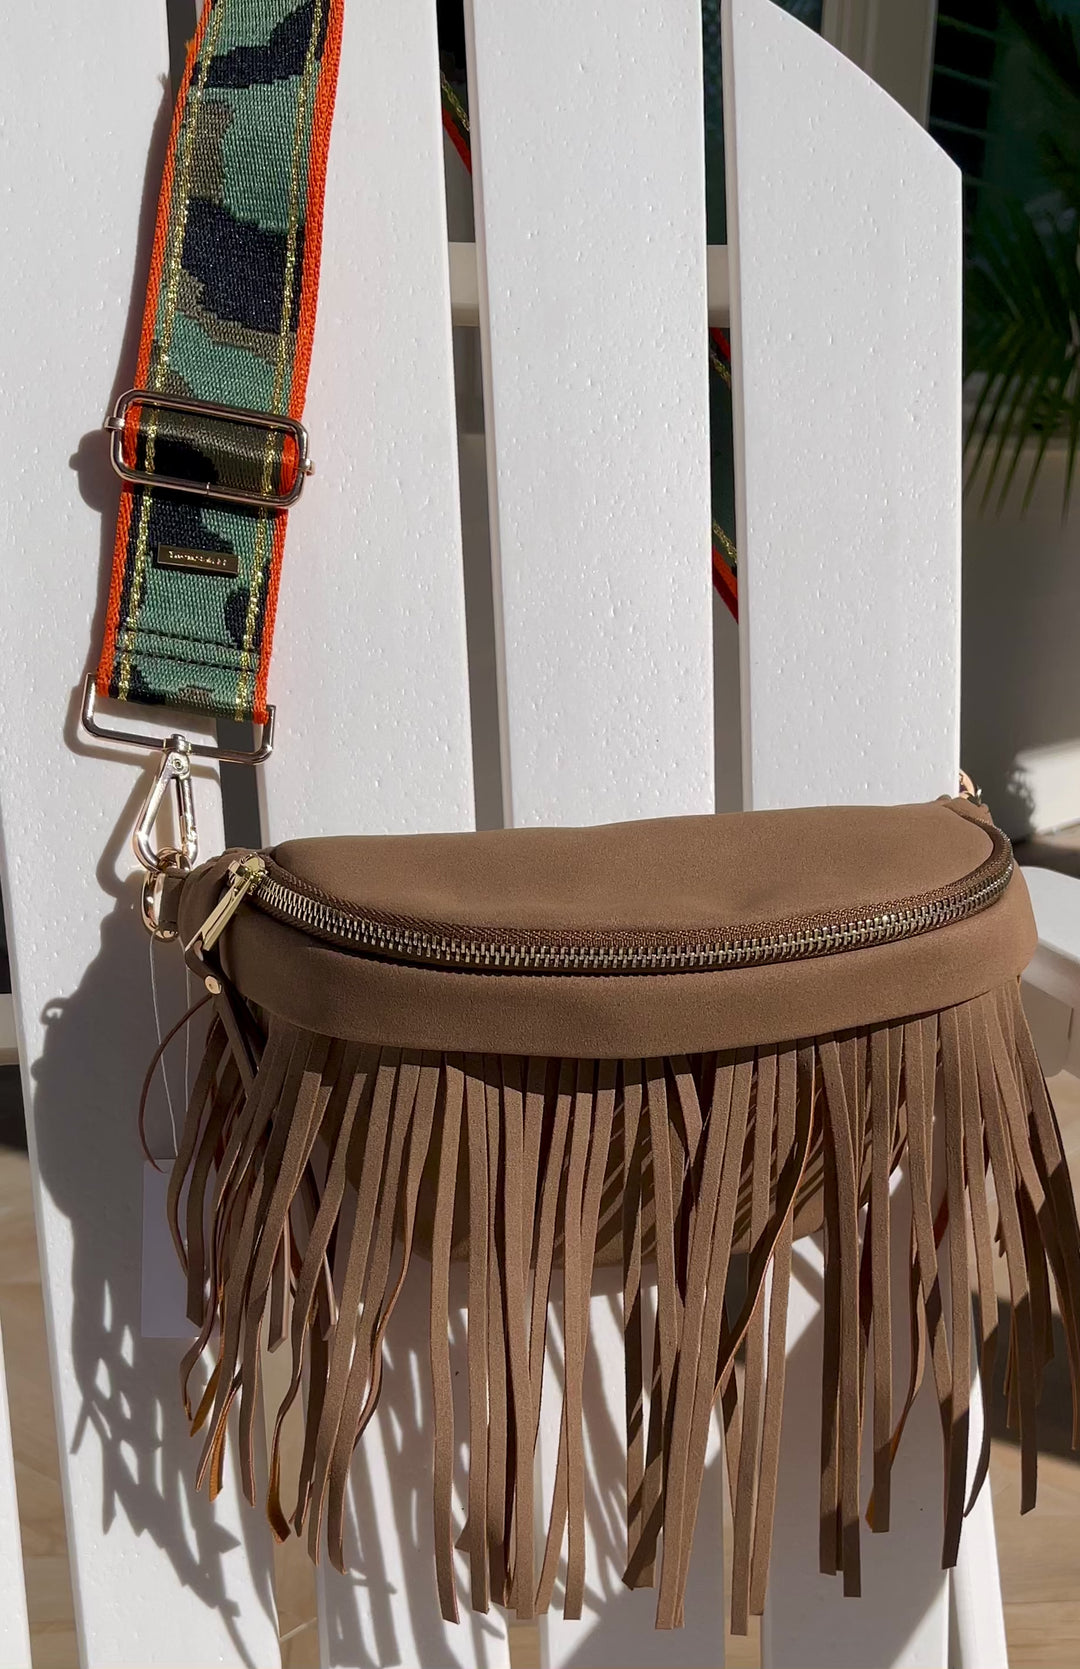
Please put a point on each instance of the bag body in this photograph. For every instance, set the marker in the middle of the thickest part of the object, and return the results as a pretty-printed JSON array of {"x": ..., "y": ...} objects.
[{"x": 674, "y": 1046}]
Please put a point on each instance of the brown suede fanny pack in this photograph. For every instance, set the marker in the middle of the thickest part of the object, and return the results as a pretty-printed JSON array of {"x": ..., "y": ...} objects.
[{"x": 668, "y": 1044}]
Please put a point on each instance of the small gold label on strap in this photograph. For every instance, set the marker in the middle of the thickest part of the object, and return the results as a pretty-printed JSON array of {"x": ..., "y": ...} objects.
[{"x": 197, "y": 562}]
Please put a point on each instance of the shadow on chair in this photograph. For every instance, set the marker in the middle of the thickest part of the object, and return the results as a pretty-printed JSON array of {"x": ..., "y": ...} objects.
[
  {"x": 1055, "y": 1407},
  {"x": 86, "y": 1089}
]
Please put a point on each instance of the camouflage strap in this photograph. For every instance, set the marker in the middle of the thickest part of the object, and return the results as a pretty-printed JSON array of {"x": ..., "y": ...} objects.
[{"x": 229, "y": 317}]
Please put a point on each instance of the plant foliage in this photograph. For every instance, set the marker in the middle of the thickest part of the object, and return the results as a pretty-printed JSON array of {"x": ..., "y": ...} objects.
[{"x": 1022, "y": 297}]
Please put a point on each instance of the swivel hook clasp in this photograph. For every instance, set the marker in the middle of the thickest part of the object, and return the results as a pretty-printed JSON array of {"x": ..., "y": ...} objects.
[{"x": 159, "y": 862}]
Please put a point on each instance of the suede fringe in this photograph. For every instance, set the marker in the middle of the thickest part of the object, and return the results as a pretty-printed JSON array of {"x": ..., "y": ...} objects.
[{"x": 311, "y": 1171}]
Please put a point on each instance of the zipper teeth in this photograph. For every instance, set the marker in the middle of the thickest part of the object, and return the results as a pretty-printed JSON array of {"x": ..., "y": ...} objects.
[{"x": 787, "y": 944}]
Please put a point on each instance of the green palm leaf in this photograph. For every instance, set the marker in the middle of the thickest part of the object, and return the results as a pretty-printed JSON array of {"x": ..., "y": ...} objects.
[
  {"x": 1022, "y": 283},
  {"x": 1022, "y": 333}
]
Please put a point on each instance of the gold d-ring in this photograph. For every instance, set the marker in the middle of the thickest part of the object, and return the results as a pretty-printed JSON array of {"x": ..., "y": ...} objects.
[{"x": 153, "y": 888}]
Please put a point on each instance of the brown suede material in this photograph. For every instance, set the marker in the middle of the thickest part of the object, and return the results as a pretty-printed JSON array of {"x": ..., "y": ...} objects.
[
  {"x": 353, "y": 1113},
  {"x": 679, "y": 875},
  {"x": 670, "y": 875}
]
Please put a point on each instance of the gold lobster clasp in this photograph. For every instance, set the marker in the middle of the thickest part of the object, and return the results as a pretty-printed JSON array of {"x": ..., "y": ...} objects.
[
  {"x": 159, "y": 862},
  {"x": 177, "y": 753}
]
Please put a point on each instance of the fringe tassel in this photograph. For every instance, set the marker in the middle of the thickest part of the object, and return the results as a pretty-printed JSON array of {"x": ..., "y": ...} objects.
[{"x": 310, "y": 1171}]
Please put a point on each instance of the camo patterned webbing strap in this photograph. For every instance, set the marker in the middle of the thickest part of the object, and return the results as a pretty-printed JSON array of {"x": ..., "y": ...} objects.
[{"x": 230, "y": 312}]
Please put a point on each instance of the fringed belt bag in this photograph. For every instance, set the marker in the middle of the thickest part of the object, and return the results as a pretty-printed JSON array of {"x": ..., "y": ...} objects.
[{"x": 660, "y": 1044}]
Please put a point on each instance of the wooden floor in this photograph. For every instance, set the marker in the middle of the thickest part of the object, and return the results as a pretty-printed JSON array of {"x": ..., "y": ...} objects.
[{"x": 1040, "y": 1556}]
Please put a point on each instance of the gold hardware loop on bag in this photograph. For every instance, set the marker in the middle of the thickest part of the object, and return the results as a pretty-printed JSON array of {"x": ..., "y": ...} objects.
[
  {"x": 970, "y": 790},
  {"x": 153, "y": 889}
]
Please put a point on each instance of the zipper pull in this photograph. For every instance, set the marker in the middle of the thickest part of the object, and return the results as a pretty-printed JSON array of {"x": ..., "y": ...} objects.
[{"x": 243, "y": 875}]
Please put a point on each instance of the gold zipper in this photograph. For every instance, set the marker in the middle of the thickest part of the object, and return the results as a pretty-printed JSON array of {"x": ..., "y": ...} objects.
[
  {"x": 243, "y": 875},
  {"x": 283, "y": 896}
]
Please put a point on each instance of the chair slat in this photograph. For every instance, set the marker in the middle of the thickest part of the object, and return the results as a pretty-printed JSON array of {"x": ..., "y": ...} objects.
[
  {"x": 846, "y": 342},
  {"x": 588, "y": 161},
  {"x": 14, "y": 1629},
  {"x": 977, "y": 1614},
  {"x": 369, "y": 673},
  {"x": 82, "y": 91},
  {"x": 588, "y": 158},
  {"x": 371, "y": 684},
  {"x": 844, "y": 246}
]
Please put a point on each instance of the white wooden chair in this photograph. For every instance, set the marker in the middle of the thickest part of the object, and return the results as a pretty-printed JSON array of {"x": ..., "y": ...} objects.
[{"x": 591, "y": 293}]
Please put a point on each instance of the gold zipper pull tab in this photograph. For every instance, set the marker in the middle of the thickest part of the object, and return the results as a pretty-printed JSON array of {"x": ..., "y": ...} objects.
[{"x": 243, "y": 875}]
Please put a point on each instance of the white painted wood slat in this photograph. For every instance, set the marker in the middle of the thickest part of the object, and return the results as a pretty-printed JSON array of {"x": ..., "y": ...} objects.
[
  {"x": 844, "y": 246},
  {"x": 901, "y": 1617},
  {"x": 465, "y": 300},
  {"x": 844, "y": 262},
  {"x": 588, "y": 177},
  {"x": 371, "y": 683},
  {"x": 369, "y": 673},
  {"x": 976, "y": 1610},
  {"x": 588, "y": 166},
  {"x": 83, "y": 94},
  {"x": 14, "y": 1628}
]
